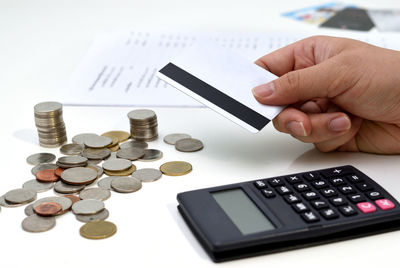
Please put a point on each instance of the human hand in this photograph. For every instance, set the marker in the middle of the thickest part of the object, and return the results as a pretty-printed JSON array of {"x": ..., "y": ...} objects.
[{"x": 342, "y": 94}]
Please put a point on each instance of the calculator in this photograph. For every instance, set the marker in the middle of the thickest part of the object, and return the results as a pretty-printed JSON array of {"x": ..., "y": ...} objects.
[{"x": 286, "y": 212}]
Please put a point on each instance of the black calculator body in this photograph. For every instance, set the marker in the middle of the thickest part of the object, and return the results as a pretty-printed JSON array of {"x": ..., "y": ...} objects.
[{"x": 285, "y": 212}]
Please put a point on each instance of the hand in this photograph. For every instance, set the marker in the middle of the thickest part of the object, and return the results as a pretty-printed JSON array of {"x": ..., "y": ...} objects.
[{"x": 342, "y": 94}]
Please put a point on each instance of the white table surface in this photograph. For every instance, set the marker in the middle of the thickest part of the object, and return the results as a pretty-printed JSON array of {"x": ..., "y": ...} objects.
[{"x": 43, "y": 41}]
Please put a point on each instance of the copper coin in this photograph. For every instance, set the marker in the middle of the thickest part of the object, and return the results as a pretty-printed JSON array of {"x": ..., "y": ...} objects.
[
  {"x": 73, "y": 198},
  {"x": 48, "y": 209},
  {"x": 58, "y": 171},
  {"x": 47, "y": 175}
]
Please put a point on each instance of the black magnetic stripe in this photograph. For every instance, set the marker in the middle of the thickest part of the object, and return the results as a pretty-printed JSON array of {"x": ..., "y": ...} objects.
[{"x": 215, "y": 96}]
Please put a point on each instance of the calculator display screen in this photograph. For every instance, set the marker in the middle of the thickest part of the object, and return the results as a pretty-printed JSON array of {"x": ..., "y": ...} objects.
[{"x": 242, "y": 211}]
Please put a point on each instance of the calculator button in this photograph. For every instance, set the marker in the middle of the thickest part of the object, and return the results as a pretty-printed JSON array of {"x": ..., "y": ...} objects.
[
  {"x": 291, "y": 198},
  {"x": 329, "y": 214},
  {"x": 311, "y": 195},
  {"x": 337, "y": 181},
  {"x": 301, "y": 187},
  {"x": 293, "y": 179},
  {"x": 328, "y": 192},
  {"x": 338, "y": 201},
  {"x": 268, "y": 193},
  {"x": 374, "y": 195},
  {"x": 346, "y": 189},
  {"x": 356, "y": 198},
  {"x": 310, "y": 217},
  {"x": 283, "y": 190},
  {"x": 276, "y": 182},
  {"x": 260, "y": 184},
  {"x": 355, "y": 178},
  {"x": 319, "y": 204},
  {"x": 364, "y": 186},
  {"x": 384, "y": 204},
  {"x": 300, "y": 207},
  {"x": 348, "y": 210},
  {"x": 320, "y": 184},
  {"x": 336, "y": 172},
  {"x": 366, "y": 207},
  {"x": 310, "y": 176}
]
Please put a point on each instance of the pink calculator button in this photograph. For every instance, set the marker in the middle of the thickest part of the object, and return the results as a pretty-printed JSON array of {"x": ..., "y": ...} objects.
[
  {"x": 384, "y": 204},
  {"x": 366, "y": 207}
]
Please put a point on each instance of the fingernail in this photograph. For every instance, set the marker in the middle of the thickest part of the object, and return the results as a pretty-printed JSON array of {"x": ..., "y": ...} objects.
[
  {"x": 297, "y": 128},
  {"x": 264, "y": 91},
  {"x": 340, "y": 124}
]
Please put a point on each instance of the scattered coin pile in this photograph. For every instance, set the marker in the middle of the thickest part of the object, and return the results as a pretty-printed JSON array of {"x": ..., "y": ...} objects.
[
  {"x": 144, "y": 126},
  {"x": 50, "y": 124}
]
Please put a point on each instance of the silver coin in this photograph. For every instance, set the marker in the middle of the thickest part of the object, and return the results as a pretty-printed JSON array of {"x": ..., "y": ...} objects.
[
  {"x": 37, "y": 186},
  {"x": 98, "y": 142},
  {"x": 36, "y": 224},
  {"x": 63, "y": 188},
  {"x": 87, "y": 207},
  {"x": 105, "y": 183},
  {"x": 141, "y": 115},
  {"x": 173, "y": 138},
  {"x": 72, "y": 149},
  {"x": 117, "y": 164},
  {"x": 65, "y": 203},
  {"x": 29, "y": 210},
  {"x": 99, "y": 170},
  {"x": 130, "y": 153},
  {"x": 81, "y": 138},
  {"x": 47, "y": 107},
  {"x": 44, "y": 166},
  {"x": 102, "y": 215},
  {"x": 134, "y": 144},
  {"x": 95, "y": 193},
  {"x": 151, "y": 155},
  {"x": 93, "y": 162},
  {"x": 96, "y": 154},
  {"x": 126, "y": 184},
  {"x": 189, "y": 145},
  {"x": 147, "y": 174},
  {"x": 5, "y": 203},
  {"x": 20, "y": 196},
  {"x": 78, "y": 175},
  {"x": 72, "y": 160},
  {"x": 40, "y": 158}
]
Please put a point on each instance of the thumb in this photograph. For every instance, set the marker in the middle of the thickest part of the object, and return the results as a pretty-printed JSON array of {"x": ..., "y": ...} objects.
[{"x": 318, "y": 81}]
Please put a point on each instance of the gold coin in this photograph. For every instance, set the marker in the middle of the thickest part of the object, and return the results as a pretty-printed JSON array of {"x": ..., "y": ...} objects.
[
  {"x": 120, "y": 135},
  {"x": 114, "y": 148},
  {"x": 176, "y": 168},
  {"x": 114, "y": 142},
  {"x": 98, "y": 229},
  {"x": 125, "y": 172}
]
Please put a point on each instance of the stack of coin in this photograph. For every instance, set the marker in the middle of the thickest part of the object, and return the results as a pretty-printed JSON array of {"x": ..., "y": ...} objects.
[
  {"x": 50, "y": 124},
  {"x": 144, "y": 126}
]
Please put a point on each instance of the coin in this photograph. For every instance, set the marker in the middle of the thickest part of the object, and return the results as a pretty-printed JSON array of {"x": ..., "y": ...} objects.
[
  {"x": 78, "y": 175},
  {"x": 98, "y": 169},
  {"x": 58, "y": 171},
  {"x": 48, "y": 209},
  {"x": 101, "y": 216},
  {"x": 105, "y": 183},
  {"x": 37, "y": 186},
  {"x": 151, "y": 155},
  {"x": 87, "y": 206},
  {"x": 130, "y": 153},
  {"x": 126, "y": 172},
  {"x": 35, "y": 223},
  {"x": 189, "y": 145},
  {"x": 114, "y": 148},
  {"x": 44, "y": 108},
  {"x": 81, "y": 138},
  {"x": 120, "y": 135},
  {"x": 96, "y": 154},
  {"x": 117, "y": 164},
  {"x": 65, "y": 203},
  {"x": 147, "y": 174},
  {"x": 173, "y": 138},
  {"x": 73, "y": 160},
  {"x": 126, "y": 184},
  {"x": 73, "y": 198},
  {"x": 5, "y": 203},
  {"x": 63, "y": 188},
  {"x": 134, "y": 144},
  {"x": 72, "y": 149},
  {"x": 176, "y": 168},
  {"x": 40, "y": 158},
  {"x": 40, "y": 167},
  {"x": 47, "y": 175},
  {"x": 29, "y": 210},
  {"x": 98, "y": 142},
  {"x": 95, "y": 193},
  {"x": 143, "y": 124},
  {"x": 98, "y": 229},
  {"x": 20, "y": 196}
]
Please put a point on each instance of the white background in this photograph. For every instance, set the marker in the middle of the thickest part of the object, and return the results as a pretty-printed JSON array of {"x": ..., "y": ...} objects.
[{"x": 41, "y": 44}]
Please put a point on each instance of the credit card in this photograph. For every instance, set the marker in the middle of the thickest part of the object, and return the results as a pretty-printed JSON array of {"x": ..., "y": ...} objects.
[{"x": 222, "y": 80}]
